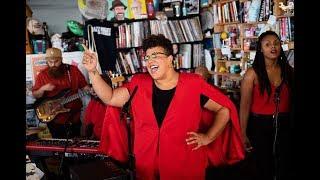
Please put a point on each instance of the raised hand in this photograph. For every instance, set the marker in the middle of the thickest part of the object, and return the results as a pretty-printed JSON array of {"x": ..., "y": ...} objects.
[{"x": 89, "y": 60}]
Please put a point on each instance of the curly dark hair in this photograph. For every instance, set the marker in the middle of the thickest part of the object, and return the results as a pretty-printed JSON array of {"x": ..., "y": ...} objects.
[
  {"x": 158, "y": 40},
  {"x": 260, "y": 67}
]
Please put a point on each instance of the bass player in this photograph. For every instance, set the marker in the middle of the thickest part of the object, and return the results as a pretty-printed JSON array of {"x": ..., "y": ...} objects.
[{"x": 53, "y": 80}]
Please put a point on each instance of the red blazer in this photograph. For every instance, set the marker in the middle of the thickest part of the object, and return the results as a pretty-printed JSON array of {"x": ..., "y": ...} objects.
[{"x": 164, "y": 151}]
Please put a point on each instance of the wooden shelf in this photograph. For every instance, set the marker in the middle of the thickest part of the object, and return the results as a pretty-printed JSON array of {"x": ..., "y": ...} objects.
[
  {"x": 189, "y": 42},
  {"x": 226, "y": 1},
  {"x": 228, "y": 23},
  {"x": 237, "y": 22},
  {"x": 232, "y": 49},
  {"x": 237, "y": 76},
  {"x": 225, "y": 65},
  {"x": 284, "y": 16},
  {"x": 251, "y": 37},
  {"x": 254, "y": 23},
  {"x": 229, "y": 61}
]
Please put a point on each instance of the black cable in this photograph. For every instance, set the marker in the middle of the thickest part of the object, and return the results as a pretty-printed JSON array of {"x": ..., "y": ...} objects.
[
  {"x": 67, "y": 129},
  {"x": 276, "y": 129}
]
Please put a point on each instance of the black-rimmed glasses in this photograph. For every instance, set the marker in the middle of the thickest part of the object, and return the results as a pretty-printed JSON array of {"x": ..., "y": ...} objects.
[{"x": 153, "y": 56}]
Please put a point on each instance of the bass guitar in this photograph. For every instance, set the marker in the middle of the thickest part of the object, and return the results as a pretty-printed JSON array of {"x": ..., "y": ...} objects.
[{"x": 47, "y": 110}]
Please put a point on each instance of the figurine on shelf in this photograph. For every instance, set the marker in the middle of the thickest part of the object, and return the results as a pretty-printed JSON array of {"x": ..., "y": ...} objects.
[{"x": 289, "y": 9}]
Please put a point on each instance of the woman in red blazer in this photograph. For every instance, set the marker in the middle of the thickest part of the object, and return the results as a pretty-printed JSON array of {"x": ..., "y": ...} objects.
[{"x": 166, "y": 111}]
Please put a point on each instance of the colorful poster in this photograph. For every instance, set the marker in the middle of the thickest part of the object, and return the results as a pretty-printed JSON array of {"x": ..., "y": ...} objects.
[
  {"x": 38, "y": 63},
  {"x": 117, "y": 10},
  {"x": 137, "y": 9}
]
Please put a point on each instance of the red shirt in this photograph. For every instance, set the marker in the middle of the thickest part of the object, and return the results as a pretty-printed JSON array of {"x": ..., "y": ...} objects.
[
  {"x": 262, "y": 105},
  {"x": 94, "y": 115},
  {"x": 77, "y": 82}
]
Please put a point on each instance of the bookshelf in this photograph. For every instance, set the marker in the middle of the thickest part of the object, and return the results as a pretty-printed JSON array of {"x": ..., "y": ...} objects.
[
  {"x": 183, "y": 29},
  {"x": 235, "y": 20}
]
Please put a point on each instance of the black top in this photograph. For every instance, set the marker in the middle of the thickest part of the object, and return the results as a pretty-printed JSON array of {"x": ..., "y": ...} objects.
[
  {"x": 161, "y": 100},
  {"x": 105, "y": 37}
]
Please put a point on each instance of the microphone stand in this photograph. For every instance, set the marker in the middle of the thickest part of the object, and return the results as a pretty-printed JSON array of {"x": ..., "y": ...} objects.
[
  {"x": 125, "y": 113},
  {"x": 276, "y": 129},
  {"x": 67, "y": 130}
]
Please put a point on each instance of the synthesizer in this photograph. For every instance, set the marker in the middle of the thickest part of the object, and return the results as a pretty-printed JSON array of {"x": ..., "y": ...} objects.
[{"x": 58, "y": 145}]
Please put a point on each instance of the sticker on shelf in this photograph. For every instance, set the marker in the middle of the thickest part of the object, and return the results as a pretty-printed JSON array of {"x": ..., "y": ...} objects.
[
  {"x": 226, "y": 50},
  {"x": 285, "y": 47}
]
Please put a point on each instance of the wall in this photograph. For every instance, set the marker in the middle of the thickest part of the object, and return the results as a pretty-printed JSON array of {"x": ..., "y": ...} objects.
[{"x": 56, "y": 13}]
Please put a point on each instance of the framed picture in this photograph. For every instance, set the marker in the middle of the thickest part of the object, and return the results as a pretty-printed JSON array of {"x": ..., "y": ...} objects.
[
  {"x": 117, "y": 10},
  {"x": 137, "y": 9},
  {"x": 192, "y": 6},
  {"x": 38, "y": 63}
]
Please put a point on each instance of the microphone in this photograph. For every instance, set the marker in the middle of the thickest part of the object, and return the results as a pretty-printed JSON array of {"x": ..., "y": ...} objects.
[
  {"x": 277, "y": 93},
  {"x": 126, "y": 106}
]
